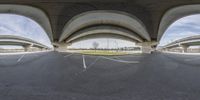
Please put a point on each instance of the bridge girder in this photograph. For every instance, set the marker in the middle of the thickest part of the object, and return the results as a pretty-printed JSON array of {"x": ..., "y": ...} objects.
[
  {"x": 109, "y": 30},
  {"x": 87, "y": 19},
  {"x": 17, "y": 40},
  {"x": 53, "y": 15}
]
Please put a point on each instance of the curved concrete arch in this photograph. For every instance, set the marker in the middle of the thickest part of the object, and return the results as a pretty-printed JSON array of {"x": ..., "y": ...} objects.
[
  {"x": 33, "y": 13},
  {"x": 102, "y": 35},
  {"x": 174, "y": 14},
  {"x": 104, "y": 29},
  {"x": 104, "y": 17}
]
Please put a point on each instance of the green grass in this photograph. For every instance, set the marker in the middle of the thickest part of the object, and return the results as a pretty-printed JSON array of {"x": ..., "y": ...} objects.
[{"x": 102, "y": 52}]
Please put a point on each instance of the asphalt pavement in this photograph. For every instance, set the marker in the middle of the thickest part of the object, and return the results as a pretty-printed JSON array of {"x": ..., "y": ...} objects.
[{"x": 68, "y": 76}]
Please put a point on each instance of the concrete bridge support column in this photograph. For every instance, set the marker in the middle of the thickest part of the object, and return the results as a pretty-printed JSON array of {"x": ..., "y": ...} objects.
[
  {"x": 61, "y": 47},
  {"x": 27, "y": 47},
  {"x": 184, "y": 47},
  {"x": 199, "y": 50},
  {"x": 42, "y": 49},
  {"x": 147, "y": 47},
  {"x": 166, "y": 49}
]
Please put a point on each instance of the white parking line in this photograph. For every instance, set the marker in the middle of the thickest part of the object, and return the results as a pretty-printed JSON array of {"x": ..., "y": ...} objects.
[
  {"x": 192, "y": 59},
  {"x": 20, "y": 58},
  {"x": 125, "y": 56},
  {"x": 84, "y": 65},
  {"x": 122, "y": 61},
  {"x": 94, "y": 62},
  {"x": 68, "y": 55},
  {"x": 181, "y": 53}
]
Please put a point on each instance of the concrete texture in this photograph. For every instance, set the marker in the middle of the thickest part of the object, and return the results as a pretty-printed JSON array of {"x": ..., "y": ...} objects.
[
  {"x": 150, "y": 12},
  {"x": 105, "y": 17},
  {"x": 104, "y": 30}
]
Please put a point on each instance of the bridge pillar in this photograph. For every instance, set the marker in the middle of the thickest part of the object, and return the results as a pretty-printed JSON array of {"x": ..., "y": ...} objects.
[
  {"x": 61, "y": 47},
  {"x": 147, "y": 47},
  {"x": 27, "y": 47},
  {"x": 43, "y": 49},
  {"x": 184, "y": 47},
  {"x": 167, "y": 49}
]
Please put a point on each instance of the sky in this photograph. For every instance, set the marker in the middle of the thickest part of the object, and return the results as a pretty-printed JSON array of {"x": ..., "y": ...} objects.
[
  {"x": 184, "y": 27},
  {"x": 11, "y": 24}
]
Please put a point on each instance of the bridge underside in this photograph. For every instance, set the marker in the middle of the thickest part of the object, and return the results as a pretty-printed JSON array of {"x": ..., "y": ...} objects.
[
  {"x": 63, "y": 19},
  {"x": 62, "y": 11}
]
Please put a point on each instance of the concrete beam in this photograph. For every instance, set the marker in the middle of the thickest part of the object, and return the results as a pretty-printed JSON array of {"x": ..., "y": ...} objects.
[
  {"x": 18, "y": 40},
  {"x": 103, "y": 17},
  {"x": 104, "y": 30},
  {"x": 103, "y": 35}
]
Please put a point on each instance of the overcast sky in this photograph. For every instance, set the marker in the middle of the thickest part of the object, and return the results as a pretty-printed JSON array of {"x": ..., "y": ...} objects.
[
  {"x": 11, "y": 24},
  {"x": 184, "y": 27},
  {"x": 23, "y": 26}
]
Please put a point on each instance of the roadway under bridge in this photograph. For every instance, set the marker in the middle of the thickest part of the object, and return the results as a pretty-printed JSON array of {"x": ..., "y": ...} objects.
[{"x": 67, "y": 76}]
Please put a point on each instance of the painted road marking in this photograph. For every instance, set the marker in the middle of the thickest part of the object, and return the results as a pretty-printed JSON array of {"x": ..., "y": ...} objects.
[
  {"x": 192, "y": 59},
  {"x": 125, "y": 56},
  {"x": 84, "y": 65},
  {"x": 181, "y": 53},
  {"x": 68, "y": 55},
  {"x": 94, "y": 62},
  {"x": 20, "y": 58},
  {"x": 122, "y": 61},
  {"x": 96, "y": 59},
  {"x": 87, "y": 66}
]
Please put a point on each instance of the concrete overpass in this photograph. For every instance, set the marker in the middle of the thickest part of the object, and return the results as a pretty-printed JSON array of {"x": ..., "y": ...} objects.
[
  {"x": 144, "y": 21},
  {"x": 184, "y": 43},
  {"x": 21, "y": 41}
]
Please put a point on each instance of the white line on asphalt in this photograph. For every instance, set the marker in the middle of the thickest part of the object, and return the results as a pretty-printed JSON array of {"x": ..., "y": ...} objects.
[
  {"x": 20, "y": 58},
  {"x": 125, "y": 56},
  {"x": 68, "y": 55},
  {"x": 84, "y": 65},
  {"x": 192, "y": 59},
  {"x": 88, "y": 66},
  {"x": 94, "y": 62},
  {"x": 122, "y": 61},
  {"x": 182, "y": 53}
]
